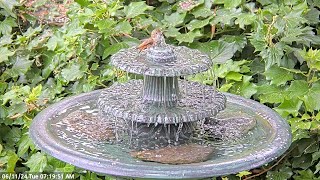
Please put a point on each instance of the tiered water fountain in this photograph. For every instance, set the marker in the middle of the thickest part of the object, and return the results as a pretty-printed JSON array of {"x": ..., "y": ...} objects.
[{"x": 162, "y": 126}]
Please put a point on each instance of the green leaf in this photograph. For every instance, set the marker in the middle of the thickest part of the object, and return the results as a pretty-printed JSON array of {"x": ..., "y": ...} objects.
[
  {"x": 234, "y": 76},
  {"x": 222, "y": 70},
  {"x": 303, "y": 145},
  {"x": 172, "y": 32},
  {"x": 68, "y": 168},
  {"x": 243, "y": 173},
  {"x": 202, "y": 11},
  {"x": 226, "y": 87},
  {"x": 72, "y": 72},
  {"x": 313, "y": 16},
  {"x": 5, "y": 40},
  {"x": 37, "y": 162},
  {"x": 300, "y": 134},
  {"x": 226, "y": 16},
  {"x": 316, "y": 156},
  {"x": 21, "y": 64},
  {"x": 35, "y": 43},
  {"x": 5, "y": 53},
  {"x": 12, "y": 160},
  {"x": 316, "y": 3},
  {"x": 83, "y": 3},
  {"x": 219, "y": 51},
  {"x": 72, "y": 32},
  {"x": 136, "y": 8},
  {"x": 283, "y": 173},
  {"x": 196, "y": 24},
  {"x": 52, "y": 43},
  {"x": 318, "y": 116},
  {"x": 313, "y": 147},
  {"x": 35, "y": 93},
  {"x": 188, "y": 37},
  {"x": 297, "y": 89},
  {"x": 105, "y": 24},
  {"x": 272, "y": 55},
  {"x": 304, "y": 161},
  {"x": 266, "y": 2},
  {"x": 311, "y": 99},
  {"x": 13, "y": 136},
  {"x": 305, "y": 175},
  {"x": 244, "y": 88},
  {"x": 8, "y": 6},
  {"x": 239, "y": 42},
  {"x": 54, "y": 164},
  {"x": 270, "y": 94},
  {"x": 3, "y": 87},
  {"x": 113, "y": 49},
  {"x": 312, "y": 57},
  {"x": 245, "y": 19},
  {"x": 232, "y": 3},
  {"x": 287, "y": 107},
  {"x": 7, "y": 25},
  {"x": 278, "y": 76},
  {"x": 317, "y": 168},
  {"x": 123, "y": 27},
  {"x": 24, "y": 144},
  {"x": 174, "y": 19},
  {"x": 300, "y": 125},
  {"x": 14, "y": 94},
  {"x": 257, "y": 39},
  {"x": 295, "y": 17},
  {"x": 17, "y": 109}
]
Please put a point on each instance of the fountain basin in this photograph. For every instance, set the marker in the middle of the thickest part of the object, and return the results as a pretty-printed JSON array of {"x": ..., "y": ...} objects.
[{"x": 268, "y": 140}]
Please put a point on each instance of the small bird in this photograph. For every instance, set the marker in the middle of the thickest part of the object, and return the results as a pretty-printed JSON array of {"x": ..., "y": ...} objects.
[{"x": 154, "y": 38}]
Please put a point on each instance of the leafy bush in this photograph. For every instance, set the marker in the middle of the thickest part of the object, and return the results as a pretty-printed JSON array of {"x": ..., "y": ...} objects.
[{"x": 266, "y": 50}]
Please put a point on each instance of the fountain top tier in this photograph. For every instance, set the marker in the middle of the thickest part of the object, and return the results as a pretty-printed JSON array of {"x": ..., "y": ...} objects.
[
  {"x": 156, "y": 58},
  {"x": 157, "y": 99}
]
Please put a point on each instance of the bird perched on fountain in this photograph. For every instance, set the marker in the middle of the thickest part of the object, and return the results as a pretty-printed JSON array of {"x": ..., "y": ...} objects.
[{"x": 154, "y": 39}]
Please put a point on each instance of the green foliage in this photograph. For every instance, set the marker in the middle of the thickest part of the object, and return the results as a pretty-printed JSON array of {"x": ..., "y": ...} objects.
[
  {"x": 136, "y": 8},
  {"x": 266, "y": 50},
  {"x": 37, "y": 162}
]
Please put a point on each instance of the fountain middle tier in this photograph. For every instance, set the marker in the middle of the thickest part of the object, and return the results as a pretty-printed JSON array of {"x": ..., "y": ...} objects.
[{"x": 126, "y": 101}]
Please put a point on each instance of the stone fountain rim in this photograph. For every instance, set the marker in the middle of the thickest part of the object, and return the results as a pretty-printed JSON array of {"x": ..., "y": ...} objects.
[{"x": 38, "y": 134}]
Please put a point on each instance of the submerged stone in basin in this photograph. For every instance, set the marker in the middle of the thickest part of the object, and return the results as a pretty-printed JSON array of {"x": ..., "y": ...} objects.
[
  {"x": 183, "y": 154},
  {"x": 88, "y": 125},
  {"x": 228, "y": 126}
]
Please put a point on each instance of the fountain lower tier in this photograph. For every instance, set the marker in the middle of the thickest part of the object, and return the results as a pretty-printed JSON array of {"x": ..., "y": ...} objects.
[{"x": 126, "y": 101}]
